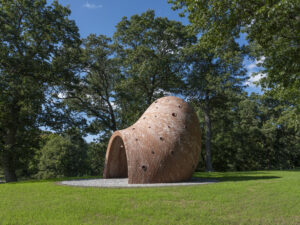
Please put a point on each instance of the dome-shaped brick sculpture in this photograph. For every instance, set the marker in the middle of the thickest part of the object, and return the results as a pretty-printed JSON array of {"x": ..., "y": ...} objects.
[{"x": 162, "y": 146}]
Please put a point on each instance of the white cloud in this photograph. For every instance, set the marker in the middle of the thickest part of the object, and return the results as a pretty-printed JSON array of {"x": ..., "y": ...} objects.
[
  {"x": 251, "y": 66},
  {"x": 261, "y": 60},
  {"x": 254, "y": 66},
  {"x": 254, "y": 72},
  {"x": 92, "y": 6},
  {"x": 252, "y": 81},
  {"x": 62, "y": 95},
  {"x": 114, "y": 105},
  {"x": 161, "y": 91}
]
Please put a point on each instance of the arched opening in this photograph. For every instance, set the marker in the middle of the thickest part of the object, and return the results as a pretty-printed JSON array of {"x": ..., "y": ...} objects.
[{"x": 116, "y": 165}]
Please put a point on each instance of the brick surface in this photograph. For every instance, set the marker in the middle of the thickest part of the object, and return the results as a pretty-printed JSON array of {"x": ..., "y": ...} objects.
[{"x": 162, "y": 146}]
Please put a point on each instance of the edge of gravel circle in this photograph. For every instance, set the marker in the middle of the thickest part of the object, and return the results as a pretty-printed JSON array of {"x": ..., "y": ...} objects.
[{"x": 123, "y": 183}]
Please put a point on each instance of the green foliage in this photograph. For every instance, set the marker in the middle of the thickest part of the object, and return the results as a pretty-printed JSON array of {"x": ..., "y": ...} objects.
[
  {"x": 248, "y": 135},
  {"x": 212, "y": 82},
  {"x": 148, "y": 49},
  {"x": 272, "y": 29},
  {"x": 34, "y": 40},
  {"x": 96, "y": 157},
  {"x": 94, "y": 95},
  {"x": 63, "y": 156}
]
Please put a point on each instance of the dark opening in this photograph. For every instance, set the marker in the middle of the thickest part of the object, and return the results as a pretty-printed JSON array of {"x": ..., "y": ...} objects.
[
  {"x": 144, "y": 167},
  {"x": 117, "y": 160}
]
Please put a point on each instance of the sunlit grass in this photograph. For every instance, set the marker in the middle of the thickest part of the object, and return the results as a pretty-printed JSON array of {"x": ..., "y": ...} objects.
[{"x": 263, "y": 197}]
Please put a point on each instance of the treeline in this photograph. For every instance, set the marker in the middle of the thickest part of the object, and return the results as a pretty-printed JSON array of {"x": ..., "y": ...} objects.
[
  {"x": 51, "y": 78},
  {"x": 62, "y": 155}
]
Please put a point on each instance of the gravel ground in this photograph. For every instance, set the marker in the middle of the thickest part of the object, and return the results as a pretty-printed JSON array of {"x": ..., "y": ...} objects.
[{"x": 123, "y": 183}]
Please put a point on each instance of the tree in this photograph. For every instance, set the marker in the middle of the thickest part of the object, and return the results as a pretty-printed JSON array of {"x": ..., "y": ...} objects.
[
  {"x": 272, "y": 29},
  {"x": 248, "y": 135},
  {"x": 96, "y": 157},
  {"x": 148, "y": 50},
  {"x": 35, "y": 40},
  {"x": 94, "y": 94},
  {"x": 211, "y": 83},
  {"x": 63, "y": 156}
]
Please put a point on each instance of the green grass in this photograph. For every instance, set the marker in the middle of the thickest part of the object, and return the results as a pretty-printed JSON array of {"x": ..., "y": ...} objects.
[{"x": 263, "y": 197}]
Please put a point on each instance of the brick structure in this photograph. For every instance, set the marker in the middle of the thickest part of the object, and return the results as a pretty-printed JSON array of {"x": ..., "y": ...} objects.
[{"x": 162, "y": 146}]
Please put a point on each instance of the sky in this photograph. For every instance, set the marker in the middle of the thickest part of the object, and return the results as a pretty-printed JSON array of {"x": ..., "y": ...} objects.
[{"x": 101, "y": 17}]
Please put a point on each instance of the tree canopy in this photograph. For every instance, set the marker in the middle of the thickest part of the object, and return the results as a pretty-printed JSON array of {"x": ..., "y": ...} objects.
[
  {"x": 34, "y": 40},
  {"x": 272, "y": 30},
  {"x": 149, "y": 48}
]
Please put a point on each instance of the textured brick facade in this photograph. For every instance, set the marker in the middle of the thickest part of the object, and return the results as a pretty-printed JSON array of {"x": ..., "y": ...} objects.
[{"x": 162, "y": 146}]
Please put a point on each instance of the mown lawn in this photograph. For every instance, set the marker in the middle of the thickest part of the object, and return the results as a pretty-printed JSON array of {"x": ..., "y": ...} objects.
[{"x": 262, "y": 197}]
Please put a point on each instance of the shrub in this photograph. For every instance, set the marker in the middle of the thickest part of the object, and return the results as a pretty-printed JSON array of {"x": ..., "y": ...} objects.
[
  {"x": 62, "y": 156},
  {"x": 96, "y": 158}
]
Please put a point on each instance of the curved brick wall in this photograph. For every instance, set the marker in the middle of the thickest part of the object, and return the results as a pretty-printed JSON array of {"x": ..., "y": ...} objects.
[{"x": 162, "y": 146}]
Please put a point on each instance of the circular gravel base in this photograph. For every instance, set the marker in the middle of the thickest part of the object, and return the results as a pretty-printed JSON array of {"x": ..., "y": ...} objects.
[{"x": 123, "y": 183}]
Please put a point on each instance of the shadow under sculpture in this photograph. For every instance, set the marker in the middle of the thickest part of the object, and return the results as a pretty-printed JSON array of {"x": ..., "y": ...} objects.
[{"x": 163, "y": 146}]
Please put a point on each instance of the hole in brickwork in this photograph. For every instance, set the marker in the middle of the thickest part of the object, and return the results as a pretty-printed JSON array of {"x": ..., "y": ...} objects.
[
  {"x": 174, "y": 114},
  {"x": 172, "y": 152},
  {"x": 144, "y": 167},
  {"x": 152, "y": 152},
  {"x": 161, "y": 138}
]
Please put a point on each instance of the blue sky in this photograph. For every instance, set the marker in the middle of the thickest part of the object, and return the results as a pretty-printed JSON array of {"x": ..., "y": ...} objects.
[{"x": 101, "y": 17}]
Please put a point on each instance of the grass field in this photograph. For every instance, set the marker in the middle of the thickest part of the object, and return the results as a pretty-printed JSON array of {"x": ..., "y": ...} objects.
[{"x": 263, "y": 197}]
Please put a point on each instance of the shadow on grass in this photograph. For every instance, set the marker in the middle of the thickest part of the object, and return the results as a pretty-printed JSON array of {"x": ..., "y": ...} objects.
[
  {"x": 52, "y": 180},
  {"x": 236, "y": 176},
  {"x": 292, "y": 170},
  {"x": 243, "y": 178}
]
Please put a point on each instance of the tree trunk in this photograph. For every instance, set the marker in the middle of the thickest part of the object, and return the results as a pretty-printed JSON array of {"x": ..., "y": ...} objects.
[
  {"x": 208, "y": 137},
  {"x": 8, "y": 161},
  {"x": 112, "y": 117},
  {"x": 8, "y": 166}
]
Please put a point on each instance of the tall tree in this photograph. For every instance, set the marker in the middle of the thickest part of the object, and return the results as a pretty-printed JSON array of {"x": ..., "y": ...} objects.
[
  {"x": 272, "y": 29},
  {"x": 212, "y": 82},
  {"x": 248, "y": 135},
  {"x": 35, "y": 38},
  {"x": 149, "y": 50}
]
